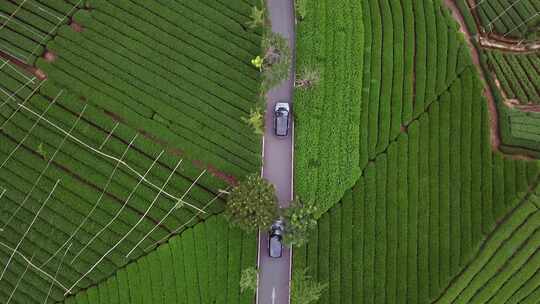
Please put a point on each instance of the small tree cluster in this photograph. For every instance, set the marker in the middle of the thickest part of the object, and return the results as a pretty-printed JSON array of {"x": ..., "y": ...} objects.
[
  {"x": 300, "y": 219},
  {"x": 255, "y": 120},
  {"x": 301, "y": 9},
  {"x": 249, "y": 279},
  {"x": 252, "y": 205},
  {"x": 304, "y": 290},
  {"x": 276, "y": 62},
  {"x": 257, "y": 17}
]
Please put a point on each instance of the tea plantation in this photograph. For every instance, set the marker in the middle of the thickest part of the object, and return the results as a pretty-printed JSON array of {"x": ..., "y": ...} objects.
[
  {"x": 510, "y": 64},
  {"x": 130, "y": 136},
  {"x": 431, "y": 218}
]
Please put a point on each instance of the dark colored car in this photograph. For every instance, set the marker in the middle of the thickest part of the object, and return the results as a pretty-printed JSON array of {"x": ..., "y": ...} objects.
[
  {"x": 281, "y": 119},
  {"x": 275, "y": 247}
]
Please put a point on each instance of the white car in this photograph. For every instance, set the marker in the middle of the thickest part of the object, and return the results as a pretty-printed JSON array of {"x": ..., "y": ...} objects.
[{"x": 281, "y": 119}]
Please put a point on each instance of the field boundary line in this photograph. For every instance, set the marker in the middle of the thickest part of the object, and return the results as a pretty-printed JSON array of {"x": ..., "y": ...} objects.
[
  {"x": 19, "y": 280},
  {"x": 72, "y": 235},
  {"x": 34, "y": 266},
  {"x": 176, "y": 206},
  {"x": 28, "y": 229},
  {"x": 117, "y": 215},
  {"x": 488, "y": 237},
  {"x": 105, "y": 155},
  {"x": 43, "y": 170},
  {"x": 57, "y": 271},
  {"x": 19, "y": 144},
  {"x": 12, "y": 14}
]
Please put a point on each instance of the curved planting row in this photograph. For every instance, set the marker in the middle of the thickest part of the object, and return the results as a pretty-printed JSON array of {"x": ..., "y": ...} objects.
[
  {"x": 510, "y": 19},
  {"x": 399, "y": 59},
  {"x": 202, "y": 265},
  {"x": 420, "y": 210},
  {"x": 517, "y": 75},
  {"x": 506, "y": 269}
]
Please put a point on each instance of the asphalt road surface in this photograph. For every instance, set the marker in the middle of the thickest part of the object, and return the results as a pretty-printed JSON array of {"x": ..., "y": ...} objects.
[{"x": 274, "y": 273}]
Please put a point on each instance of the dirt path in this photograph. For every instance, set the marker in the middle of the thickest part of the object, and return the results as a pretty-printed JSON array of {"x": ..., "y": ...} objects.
[
  {"x": 489, "y": 42},
  {"x": 39, "y": 74},
  {"x": 494, "y": 116}
]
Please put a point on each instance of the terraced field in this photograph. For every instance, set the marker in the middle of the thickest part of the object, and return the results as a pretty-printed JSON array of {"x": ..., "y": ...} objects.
[
  {"x": 517, "y": 75},
  {"x": 420, "y": 210},
  {"x": 505, "y": 269},
  {"x": 177, "y": 78},
  {"x": 431, "y": 189},
  {"x": 202, "y": 265},
  {"x": 26, "y": 25},
  {"x": 394, "y": 89},
  {"x": 511, "y": 74},
  {"x": 104, "y": 160},
  {"x": 508, "y": 19}
]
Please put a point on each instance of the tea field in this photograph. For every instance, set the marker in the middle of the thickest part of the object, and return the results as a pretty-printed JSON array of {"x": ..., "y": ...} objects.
[
  {"x": 200, "y": 266},
  {"x": 433, "y": 201},
  {"x": 128, "y": 140},
  {"x": 517, "y": 75},
  {"x": 379, "y": 82},
  {"x": 508, "y": 19},
  {"x": 512, "y": 75}
]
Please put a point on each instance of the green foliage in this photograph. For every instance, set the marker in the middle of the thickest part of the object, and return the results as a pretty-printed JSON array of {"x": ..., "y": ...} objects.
[
  {"x": 516, "y": 74},
  {"x": 427, "y": 207},
  {"x": 189, "y": 100},
  {"x": 202, "y": 88},
  {"x": 173, "y": 273},
  {"x": 257, "y": 17},
  {"x": 307, "y": 78},
  {"x": 276, "y": 60},
  {"x": 515, "y": 20},
  {"x": 327, "y": 142},
  {"x": 249, "y": 279},
  {"x": 257, "y": 62},
  {"x": 508, "y": 259},
  {"x": 301, "y": 8},
  {"x": 41, "y": 151},
  {"x": 300, "y": 219},
  {"x": 252, "y": 204},
  {"x": 256, "y": 121},
  {"x": 304, "y": 290}
]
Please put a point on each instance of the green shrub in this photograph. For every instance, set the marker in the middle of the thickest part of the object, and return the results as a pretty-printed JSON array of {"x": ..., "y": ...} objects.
[
  {"x": 252, "y": 204},
  {"x": 249, "y": 279},
  {"x": 304, "y": 290}
]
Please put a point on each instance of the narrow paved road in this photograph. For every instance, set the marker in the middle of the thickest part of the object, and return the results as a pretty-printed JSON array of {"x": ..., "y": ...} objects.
[{"x": 274, "y": 274}]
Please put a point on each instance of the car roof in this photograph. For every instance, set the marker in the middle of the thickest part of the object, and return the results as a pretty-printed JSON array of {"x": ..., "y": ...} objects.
[{"x": 282, "y": 104}]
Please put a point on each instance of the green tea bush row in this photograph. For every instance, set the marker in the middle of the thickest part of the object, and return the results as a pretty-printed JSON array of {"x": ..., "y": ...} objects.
[
  {"x": 517, "y": 75},
  {"x": 410, "y": 55},
  {"x": 508, "y": 255},
  {"x": 180, "y": 271},
  {"x": 421, "y": 213},
  {"x": 508, "y": 18}
]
